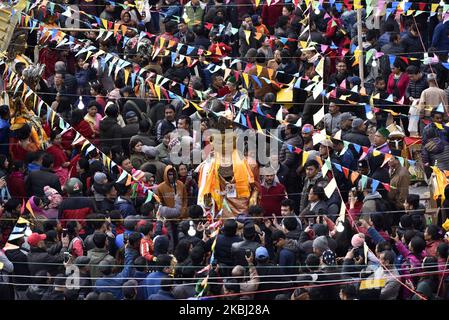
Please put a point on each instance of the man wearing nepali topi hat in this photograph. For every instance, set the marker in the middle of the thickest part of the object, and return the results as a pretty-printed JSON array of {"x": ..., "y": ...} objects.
[{"x": 380, "y": 141}]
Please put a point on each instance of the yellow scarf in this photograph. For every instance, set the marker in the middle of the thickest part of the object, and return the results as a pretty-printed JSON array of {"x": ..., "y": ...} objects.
[{"x": 210, "y": 181}]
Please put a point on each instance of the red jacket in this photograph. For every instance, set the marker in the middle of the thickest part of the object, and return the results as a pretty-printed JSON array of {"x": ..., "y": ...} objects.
[
  {"x": 401, "y": 85},
  {"x": 16, "y": 184},
  {"x": 271, "y": 14},
  {"x": 146, "y": 249},
  {"x": 271, "y": 199},
  {"x": 224, "y": 49},
  {"x": 58, "y": 154}
]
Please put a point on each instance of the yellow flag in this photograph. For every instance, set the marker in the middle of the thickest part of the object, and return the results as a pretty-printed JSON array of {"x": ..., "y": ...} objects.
[
  {"x": 257, "y": 3},
  {"x": 105, "y": 23},
  {"x": 158, "y": 91},
  {"x": 247, "y": 35},
  {"x": 259, "y": 129},
  {"x": 126, "y": 75},
  {"x": 259, "y": 70},
  {"x": 245, "y": 78},
  {"x": 305, "y": 156},
  {"x": 196, "y": 106},
  {"x": 358, "y": 4}
]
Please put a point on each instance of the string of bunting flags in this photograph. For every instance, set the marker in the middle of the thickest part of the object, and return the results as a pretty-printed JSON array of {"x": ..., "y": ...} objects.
[
  {"x": 245, "y": 121},
  {"x": 291, "y": 148},
  {"x": 52, "y": 117},
  {"x": 370, "y": 55}
]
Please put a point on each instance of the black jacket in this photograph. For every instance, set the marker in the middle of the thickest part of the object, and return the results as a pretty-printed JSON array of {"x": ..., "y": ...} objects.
[
  {"x": 238, "y": 251},
  {"x": 223, "y": 249},
  {"x": 37, "y": 180},
  {"x": 357, "y": 137},
  {"x": 19, "y": 260},
  {"x": 110, "y": 133},
  {"x": 269, "y": 273},
  {"x": 39, "y": 259}
]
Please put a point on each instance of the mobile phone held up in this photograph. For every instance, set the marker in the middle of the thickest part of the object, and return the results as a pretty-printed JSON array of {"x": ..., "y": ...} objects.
[
  {"x": 248, "y": 253},
  {"x": 67, "y": 257}
]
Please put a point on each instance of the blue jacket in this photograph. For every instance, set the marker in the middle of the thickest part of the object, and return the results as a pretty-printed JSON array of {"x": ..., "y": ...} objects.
[
  {"x": 440, "y": 40},
  {"x": 287, "y": 258},
  {"x": 140, "y": 276},
  {"x": 33, "y": 167},
  {"x": 4, "y": 136},
  {"x": 119, "y": 241},
  {"x": 162, "y": 295},
  {"x": 114, "y": 284},
  {"x": 84, "y": 76},
  {"x": 153, "y": 282},
  {"x": 125, "y": 207}
]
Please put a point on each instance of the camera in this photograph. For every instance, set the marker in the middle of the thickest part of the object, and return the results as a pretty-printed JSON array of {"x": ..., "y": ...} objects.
[{"x": 356, "y": 252}]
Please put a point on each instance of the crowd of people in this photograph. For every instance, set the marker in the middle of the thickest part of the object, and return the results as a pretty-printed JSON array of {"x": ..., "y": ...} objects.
[{"x": 100, "y": 211}]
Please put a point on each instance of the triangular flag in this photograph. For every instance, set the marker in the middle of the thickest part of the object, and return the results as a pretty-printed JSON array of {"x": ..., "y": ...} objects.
[
  {"x": 330, "y": 188},
  {"x": 317, "y": 117},
  {"x": 374, "y": 185},
  {"x": 354, "y": 176}
]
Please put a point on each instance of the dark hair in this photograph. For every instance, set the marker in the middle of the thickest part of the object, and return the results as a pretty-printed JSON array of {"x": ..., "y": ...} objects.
[
  {"x": 434, "y": 232},
  {"x": 232, "y": 285},
  {"x": 133, "y": 144},
  {"x": 383, "y": 245},
  {"x": 197, "y": 255},
  {"x": 389, "y": 256},
  {"x": 144, "y": 125},
  {"x": 71, "y": 226},
  {"x": 140, "y": 263},
  {"x": 418, "y": 245},
  {"x": 47, "y": 160},
  {"x": 288, "y": 203},
  {"x": 163, "y": 261},
  {"x": 413, "y": 200},
  {"x": 412, "y": 69},
  {"x": 312, "y": 261},
  {"x": 312, "y": 163},
  {"x": 394, "y": 36},
  {"x": 126, "y": 89},
  {"x": 41, "y": 277},
  {"x": 112, "y": 111},
  {"x": 290, "y": 223},
  {"x": 146, "y": 228},
  {"x": 349, "y": 290},
  {"x": 195, "y": 211},
  {"x": 134, "y": 238},
  {"x": 77, "y": 116},
  {"x": 182, "y": 250},
  {"x": 230, "y": 228},
  {"x": 260, "y": 57},
  {"x": 319, "y": 191},
  {"x": 99, "y": 240},
  {"x": 106, "y": 296},
  {"x": 186, "y": 118},
  {"x": 171, "y": 26},
  {"x": 378, "y": 221},
  {"x": 3, "y": 159},
  {"x": 12, "y": 204},
  {"x": 443, "y": 250},
  {"x": 255, "y": 211}
]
